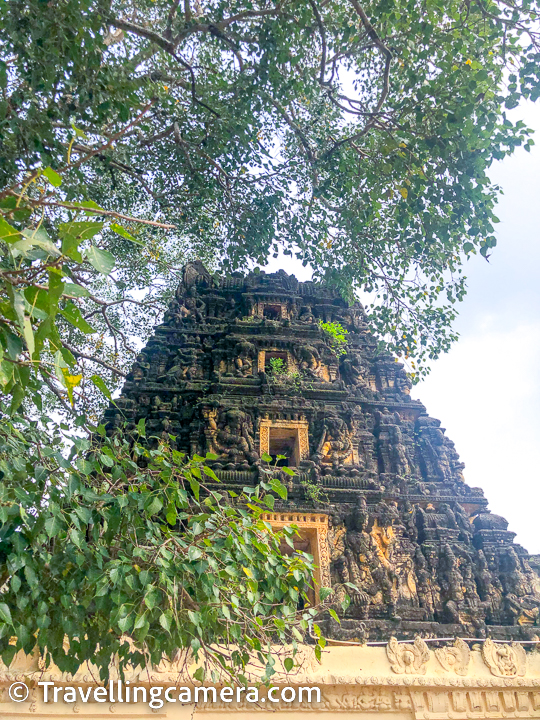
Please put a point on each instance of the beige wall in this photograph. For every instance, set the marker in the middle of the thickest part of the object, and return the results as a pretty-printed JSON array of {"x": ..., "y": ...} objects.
[{"x": 400, "y": 682}]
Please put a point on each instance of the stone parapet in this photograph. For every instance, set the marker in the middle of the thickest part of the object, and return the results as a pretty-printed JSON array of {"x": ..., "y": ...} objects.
[{"x": 400, "y": 680}]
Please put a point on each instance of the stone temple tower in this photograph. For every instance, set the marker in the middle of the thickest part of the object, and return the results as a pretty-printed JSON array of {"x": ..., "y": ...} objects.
[{"x": 241, "y": 367}]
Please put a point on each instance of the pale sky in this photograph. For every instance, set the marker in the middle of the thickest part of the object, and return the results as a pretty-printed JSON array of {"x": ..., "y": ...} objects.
[{"x": 486, "y": 390}]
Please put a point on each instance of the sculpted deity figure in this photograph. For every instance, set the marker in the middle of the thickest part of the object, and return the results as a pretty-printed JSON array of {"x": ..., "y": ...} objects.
[
  {"x": 335, "y": 444},
  {"x": 336, "y": 536},
  {"x": 188, "y": 308},
  {"x": 522, "y": 600},
  {"x": 306, "y": 315},
  {"x": 391, "y": 446},
  {"x": 451, "y": 584},
  {"x": 353, "y": 371},
  {"x": 403, "y": 383},
  {"x": 243, "y": 362},
  {"x": 433, "y": 448},
  {"x": 309, "y": 362},
  {"x": 140, "y": 368},
  {"x": 503, "y": 660},
  {"x": 375, "y": 578},
  {"x": 186, "y": 366},
  {"x": 463, "y": 522},
  {"x": 233, "y": 441},
  {"x": 424, "y": 584}
]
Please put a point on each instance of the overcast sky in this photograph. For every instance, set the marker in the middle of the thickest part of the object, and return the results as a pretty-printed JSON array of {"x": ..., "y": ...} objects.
[{"x": 486, "y": 390}]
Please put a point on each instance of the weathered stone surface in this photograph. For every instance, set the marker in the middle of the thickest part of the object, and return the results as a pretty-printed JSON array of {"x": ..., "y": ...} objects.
[{"x": 427, "y": 556}]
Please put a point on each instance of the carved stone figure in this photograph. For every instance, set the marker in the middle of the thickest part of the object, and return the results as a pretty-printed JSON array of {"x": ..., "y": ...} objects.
[
  {"x": 243, "y": 362},
  {"x": 306, "y": 315},
  {"x": 233, "y": 441},
  {"x": 407, "y": 658},
  {"x": 335, "y": 444},
  {"x": 433, "y": 449},
  {"x": 455, "y": 657},
  {"x": 391, "y": 447},
  {"x": 504, "y": 660},
  {"x": 309, "y": 362},
  {"x": 353, "y": 371}
]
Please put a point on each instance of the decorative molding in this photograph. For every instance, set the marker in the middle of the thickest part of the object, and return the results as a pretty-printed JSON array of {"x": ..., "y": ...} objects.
[
  {"x": 505, "y": 661},
  {"x": 408, "y": 658},
  {"x": 455, "y": 658}
]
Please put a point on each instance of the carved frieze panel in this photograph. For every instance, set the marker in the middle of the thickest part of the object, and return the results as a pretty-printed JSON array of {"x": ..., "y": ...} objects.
[
  {"x": 455, "y": 658},
  {"x": 504, "y": 660},
  {"x": 409, "y": 658}
]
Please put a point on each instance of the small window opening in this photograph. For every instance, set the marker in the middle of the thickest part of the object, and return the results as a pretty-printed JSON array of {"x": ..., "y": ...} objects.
[
  {"x": 275, "y": 367},
  {"x": 301, "y": 544},
  {"x": 272, "y": 312},
  {"x": 284, "y": 441}
]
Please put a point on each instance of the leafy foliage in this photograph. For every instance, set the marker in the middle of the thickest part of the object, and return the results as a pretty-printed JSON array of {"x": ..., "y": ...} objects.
[
  {"x": 337, "y": 335},
  {"x": 277, "y": 366},
  {"x": 355, "y": 135},
  {"x": 124, "y": 537}
]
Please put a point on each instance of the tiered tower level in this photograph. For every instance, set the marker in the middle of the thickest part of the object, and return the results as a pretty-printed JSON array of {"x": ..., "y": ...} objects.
[{"x": 379, "y": 494}]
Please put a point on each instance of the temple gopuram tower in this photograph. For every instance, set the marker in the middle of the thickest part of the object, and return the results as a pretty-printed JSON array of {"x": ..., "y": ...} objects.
[{"x": 242, "y": 368}]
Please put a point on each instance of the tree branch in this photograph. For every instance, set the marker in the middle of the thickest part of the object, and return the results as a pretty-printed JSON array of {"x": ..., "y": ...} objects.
[{"x": 78, "y": 353}]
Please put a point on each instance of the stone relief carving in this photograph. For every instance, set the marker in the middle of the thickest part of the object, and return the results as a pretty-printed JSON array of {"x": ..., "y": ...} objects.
[
  {"x": 335, "y": 443},
  {"x": 408, "y": 658},
  {"x": 232, "y": 439},
  {"x": 455, "y": 657},
  {"x": 245, "y": 358},
  {"x": 504, "y": 660},
  {"x": 309, "y": 362}
]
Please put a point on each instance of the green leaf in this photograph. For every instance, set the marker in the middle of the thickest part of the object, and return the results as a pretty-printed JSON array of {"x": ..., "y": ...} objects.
[
  {"x": 165, "y": 620},
  {"x": 17, "y": 396},
  {"x": 325, "y": 592},
  {"x": 15, "y": 584},
  {"x": 195, "y": 487},
  {"x": 334, "y": 614},
  {"x": 155, "y": 506},
  {"x": 5, "y": 614},
  {"x": 72, "y": 313},
  {"x": 102, "y": 260},
  {"x": 29, "y": 335},
  {"x": 35, "y": 238},
  {"x": 288, "y": 663},
  {"x": 78, "y": 132},
  {"x": 70, "y": 244},
  {"x": 8, "y": 233},
  {"x": 141, "y": 619},
  {"x": 52, "y": 176},
  {"x": 211, "y": 474},
  {"x": 101, "y": 386},
  {"x": 53, "y": 525},
  {"x": 345, "y": 603},
  {"x": 75, "y": 290},
  {"x": 194, "y": 553},
  {"x": 279, "y": 488},
  {"x": 119, "y": 230},
  {"x": 266, "y": 457}
]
